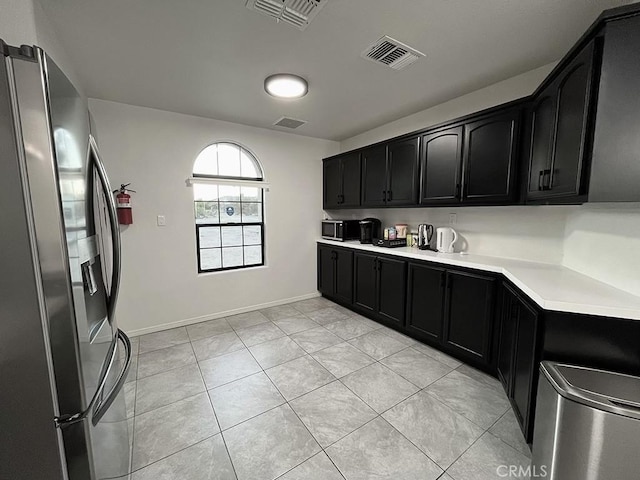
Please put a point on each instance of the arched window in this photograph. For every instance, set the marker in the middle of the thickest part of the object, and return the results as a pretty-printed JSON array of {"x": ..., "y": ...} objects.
[{"x": 228, "y": 205}]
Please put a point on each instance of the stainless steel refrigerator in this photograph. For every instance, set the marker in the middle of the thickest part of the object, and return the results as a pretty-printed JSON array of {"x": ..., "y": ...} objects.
[{"x": 63, "y": 359}]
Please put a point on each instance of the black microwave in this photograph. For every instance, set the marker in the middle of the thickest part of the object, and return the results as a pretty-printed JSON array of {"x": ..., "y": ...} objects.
[{"x": 341, "y": 230}]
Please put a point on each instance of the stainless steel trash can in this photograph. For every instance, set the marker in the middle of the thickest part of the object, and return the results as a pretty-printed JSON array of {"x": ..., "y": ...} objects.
[{"x": 587, "y": 425}]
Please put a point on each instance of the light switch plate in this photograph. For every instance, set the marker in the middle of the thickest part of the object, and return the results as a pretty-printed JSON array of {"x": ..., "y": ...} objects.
[
  {"x": 162, "y": 220},
  {"x": 453, "y": 219}
]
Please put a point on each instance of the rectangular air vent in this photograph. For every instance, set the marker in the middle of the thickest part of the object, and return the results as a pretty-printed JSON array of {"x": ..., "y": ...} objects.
[
  {"x": 298, "y": 13},
  {"x": 391, "y": 53},
  {"x": 289, "y": 122}
]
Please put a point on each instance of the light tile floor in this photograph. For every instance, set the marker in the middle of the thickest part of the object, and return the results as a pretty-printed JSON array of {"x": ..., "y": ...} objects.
[{"x": 311, "y": 391}]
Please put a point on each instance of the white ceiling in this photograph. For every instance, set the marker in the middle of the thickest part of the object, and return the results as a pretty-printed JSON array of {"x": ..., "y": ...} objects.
[{"x": 210, "y": 57}]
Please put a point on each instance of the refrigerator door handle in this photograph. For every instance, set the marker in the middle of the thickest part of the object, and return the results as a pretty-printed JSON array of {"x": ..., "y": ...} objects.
[
  {"x": 101, "y": 407},
  {"x": 69, "y": 419},
  {"x": 113, "y": 224}
]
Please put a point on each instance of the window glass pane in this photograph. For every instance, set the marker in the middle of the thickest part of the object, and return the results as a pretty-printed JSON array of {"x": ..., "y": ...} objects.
[
  {"x": 210, "y": 258},
  {"x": 251, "y": 194},
  {"x": 248, "y": 166},
  {"x": 206, "y": 212},
  {"x": 230, "y": 212},
  {"x": 207, "y": 162},
  {"x": 229, "y": 193},
  {"x": 228, "y": 160},
  {"x": 209, "y": 237},
  {"x": 232, "y": 257},
  {"x": 231, "y": 236},
  {"x": 252, "y": 234},
  {"x": 205, "y": 192},
  {"x": 251, "y": 212},
  {"x": 253, "y": 255}
]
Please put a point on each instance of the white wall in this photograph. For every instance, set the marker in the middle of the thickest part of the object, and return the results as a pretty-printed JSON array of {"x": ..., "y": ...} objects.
[
  {"x": 603, "y": 241},
  {"x": 17, "y": 25},
  {"x": 534, "y": 233},
  {"x": 155, "y": 151},
  {"x": 501, "y": 92}
]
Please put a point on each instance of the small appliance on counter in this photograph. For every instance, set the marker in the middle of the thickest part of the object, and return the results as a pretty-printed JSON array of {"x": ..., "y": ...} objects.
[
  {"x": 445, "y": 238},
  {"x": 390, "y": 238},
  {"x": 370, "y": 230},
  {"x": 341, "y": 230},
  {"x": 425, "y": 234}
]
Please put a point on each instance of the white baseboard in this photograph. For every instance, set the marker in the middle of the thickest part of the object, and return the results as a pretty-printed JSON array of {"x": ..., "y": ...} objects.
[{"x": 213, "y": 316}]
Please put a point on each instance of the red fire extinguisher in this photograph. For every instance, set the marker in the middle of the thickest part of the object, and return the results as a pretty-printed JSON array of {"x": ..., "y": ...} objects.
[{"x": 123, "y": 204}]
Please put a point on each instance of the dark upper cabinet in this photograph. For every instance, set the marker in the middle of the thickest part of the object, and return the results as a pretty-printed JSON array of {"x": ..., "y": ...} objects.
[
  {"x": 390, "y": 174},
  {"x": 441, "y": 164},
  {"x": 425, "y": 300},
  {"x": 402, "y": 172},
  {"x": 380, "y": 286},
  {"x": 490, "y": 161},
  {"x": 374, "y": 176},
  {"x": 335, "y": 273},
  {"x": 469, "y": 312},
  {"x": 560, "y": 132},
  {"x": 341, "y": 181},
  {"x": 517, "y": 356},
  {"x": 391, "y": 289}
]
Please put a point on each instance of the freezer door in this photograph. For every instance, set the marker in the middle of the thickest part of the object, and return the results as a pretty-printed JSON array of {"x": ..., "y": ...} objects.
[{"x": 93, "y": 245}]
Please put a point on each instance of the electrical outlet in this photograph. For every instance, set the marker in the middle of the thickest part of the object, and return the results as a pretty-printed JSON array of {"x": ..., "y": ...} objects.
[
  {"x": 453, "y": 219},
  {"x": 162, "y": 220}
]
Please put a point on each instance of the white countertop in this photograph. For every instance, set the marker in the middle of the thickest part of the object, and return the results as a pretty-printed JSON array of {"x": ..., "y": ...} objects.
[{"x": 552, "y": 287}]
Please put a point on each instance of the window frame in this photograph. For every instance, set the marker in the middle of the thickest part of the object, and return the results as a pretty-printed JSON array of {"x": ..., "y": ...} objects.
[{"x": 252, "y": 182}]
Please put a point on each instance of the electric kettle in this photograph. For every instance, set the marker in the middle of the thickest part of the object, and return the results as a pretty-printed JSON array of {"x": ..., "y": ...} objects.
[
  {"x": 445, "y": 238},
  {"x": 425, "y": 233}
]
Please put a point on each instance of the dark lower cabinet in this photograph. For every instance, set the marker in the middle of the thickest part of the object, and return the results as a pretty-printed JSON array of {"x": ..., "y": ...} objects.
[
  {"x": 425, "y": 301},
  {"x": 469, "y": 312},
  {"x": 335, "y": 273},
  {"x": 380, "y": 286},
  {"x": 391, "y": 289},
  {"x": 365, "y": 288},
  {"x": 517, "y": 356}
]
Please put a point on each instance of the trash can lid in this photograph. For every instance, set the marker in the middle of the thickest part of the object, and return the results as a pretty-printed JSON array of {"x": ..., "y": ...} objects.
[{"x": 609, "y": 391}]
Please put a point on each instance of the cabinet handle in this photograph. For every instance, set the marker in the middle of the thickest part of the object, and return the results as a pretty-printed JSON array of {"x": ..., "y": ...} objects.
[
  {"x": 375, "y": 263},
  {"x": 540, "y": 177},
  {"x": 443, "y": 279},
  {"x": 384, "y": 195},
  {"x": 458, "y": 188},
  {"x": 389, "y": 195},
  {"x": 546, "y": 179}
]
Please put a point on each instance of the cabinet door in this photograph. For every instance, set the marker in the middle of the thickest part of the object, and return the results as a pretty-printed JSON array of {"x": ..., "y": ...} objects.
[
  {"x": 541, "y": 142},
  {"x": 508, "y": 327},
  {"x": 374, "y": 176},
  {"x": 402, "y": 172},
  {"x": 331, "y": 183},
  {"x": 425, "y": 294},
  {"x": 490, "y": 159},
  {"x": 326, "y": 270},
  {"x": 571, "y": 127},
  {"x": 441, "y": 167},
  {"x": 469, "y": 316},
  {"x": 350, "y": 180},
  {"x": 344, "y": 275},
  {"x": 365, "y": 283},
  {"x": 524, "y": 365},
  {"x": 391, "y": 289}
]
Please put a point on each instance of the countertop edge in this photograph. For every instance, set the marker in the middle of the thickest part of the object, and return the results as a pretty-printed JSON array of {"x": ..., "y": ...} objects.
[{"x": 464, "y": 261}]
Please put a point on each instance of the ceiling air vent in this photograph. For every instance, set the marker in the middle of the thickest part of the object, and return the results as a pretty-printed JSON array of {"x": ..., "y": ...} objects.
[
  {"x": 289, "y": 122},
  {"x": 298, "y": 13},
  {"x": 391, "y": 53}
]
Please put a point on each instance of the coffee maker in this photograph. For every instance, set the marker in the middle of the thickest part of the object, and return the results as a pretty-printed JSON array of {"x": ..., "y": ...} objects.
[{"x": 370, "y": 230}]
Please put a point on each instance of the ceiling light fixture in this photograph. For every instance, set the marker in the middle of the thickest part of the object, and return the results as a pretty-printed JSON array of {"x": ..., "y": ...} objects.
[{"x": 286, "y": 85}]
